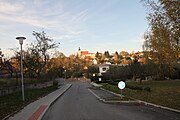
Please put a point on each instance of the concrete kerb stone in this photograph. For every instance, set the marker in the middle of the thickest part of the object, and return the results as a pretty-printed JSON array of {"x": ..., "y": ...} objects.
[
  {"x": 135, "y": 101},
  {"x": 113, "y": 102},
  {"x": 111, "y": 92},
  {"x": 94, "y": 94},
  {"x": 69, "y": 85},
  {"x": 159, "y": 106},
  {"x": 5, "y": 118},
  {"x": 95, "y": 84}
]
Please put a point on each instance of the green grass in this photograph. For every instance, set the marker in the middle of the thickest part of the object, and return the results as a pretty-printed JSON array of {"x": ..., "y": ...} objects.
[
  {"x": 165, "y": 93},
  {"x": 13, "y": 102}
]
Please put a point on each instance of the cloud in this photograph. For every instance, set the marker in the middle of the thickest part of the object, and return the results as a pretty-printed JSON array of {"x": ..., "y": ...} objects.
[
  {"x": 81, "y": 16},
  {"x": 24, "y": 20},
  {"x": 15, "y": 12},
  {"x": 22, "y": 17},
  {"x": 32, "y": 14},
  {"x": 63, "y": 37},
  {"x": 8, "y": 8}
]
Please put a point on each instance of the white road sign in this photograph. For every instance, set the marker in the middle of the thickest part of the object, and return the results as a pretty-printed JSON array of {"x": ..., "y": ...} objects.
[{"x": 121, "y": 85}]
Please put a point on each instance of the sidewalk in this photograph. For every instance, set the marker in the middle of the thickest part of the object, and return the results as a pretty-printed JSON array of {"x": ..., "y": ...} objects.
[{"x": 36, "y": 110}]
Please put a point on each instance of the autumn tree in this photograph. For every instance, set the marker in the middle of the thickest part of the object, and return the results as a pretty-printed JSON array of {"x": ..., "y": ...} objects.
[
  {"x": 124, "y": 53},
  {"x": 98, "y": 57},
  {"x": 162, "y": 37},
  {"x": 56, "y": 65},
  {"x": 117, "y": 58},
  {"x": 106, "y": 54},
  {"x": 36, "y": 57},
  {"x": 105, "y": 57}
]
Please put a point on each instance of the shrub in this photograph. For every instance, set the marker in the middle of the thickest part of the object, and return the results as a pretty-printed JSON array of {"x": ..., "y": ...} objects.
[
  {"x": 55, "y": 83},
  {"x": 139, "y": 88}
]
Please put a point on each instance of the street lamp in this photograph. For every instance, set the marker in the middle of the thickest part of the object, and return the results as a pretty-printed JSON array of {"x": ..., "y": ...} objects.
[
  {"x": 22, "y": 81},
  {"x": 65, "y": 74}
]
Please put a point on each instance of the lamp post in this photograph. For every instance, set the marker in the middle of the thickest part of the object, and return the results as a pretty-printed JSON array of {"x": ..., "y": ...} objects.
[
  {"x": 22, "y": 81},
  {"x": 65, "y": 74}
]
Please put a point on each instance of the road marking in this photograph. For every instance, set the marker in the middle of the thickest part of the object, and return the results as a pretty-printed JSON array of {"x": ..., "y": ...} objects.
[
  {"x": 38, "y": 112},
  {"x": 94, "y": 94}
]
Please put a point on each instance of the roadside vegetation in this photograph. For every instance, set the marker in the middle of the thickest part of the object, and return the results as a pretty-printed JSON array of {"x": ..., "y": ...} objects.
[
  {"x": 165, "y": 93},
  {"x": 9, "y": 82},
  {"x": 12, "y": 103},
  {"x": 37, "y": 69}
]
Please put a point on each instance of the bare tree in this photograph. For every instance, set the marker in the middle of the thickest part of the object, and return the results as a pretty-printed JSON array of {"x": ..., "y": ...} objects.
[{"x": 36, "y": 57}]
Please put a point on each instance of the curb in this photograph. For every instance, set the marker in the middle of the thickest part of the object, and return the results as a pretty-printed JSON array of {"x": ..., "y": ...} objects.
[
  {"x": 8, "y": 116},
  {"x": 159, "y": 106},
  {"x": 53, "y": 102},
  {"x": 145, "y": 103},
  {"x": 95, "y": 84},
  {"x": 136, "y": 101},
  {"x": 110, "y": 92},
  {"x": 122, "y": 102}
]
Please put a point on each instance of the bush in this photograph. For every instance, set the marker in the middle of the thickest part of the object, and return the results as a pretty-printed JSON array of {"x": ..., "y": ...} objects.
[
  {"x": 118, "y": 80},
  {"x": 139, "y": 88},
  {"x": 145, "y": 88},
  {"x": 55, "y": 83},
  {"x": 112, "y": 83},
  {"x": 77, "y": 74}
]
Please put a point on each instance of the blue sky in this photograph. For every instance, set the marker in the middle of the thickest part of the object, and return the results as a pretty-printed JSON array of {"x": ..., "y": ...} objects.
[{"x": 93, "y": 25}]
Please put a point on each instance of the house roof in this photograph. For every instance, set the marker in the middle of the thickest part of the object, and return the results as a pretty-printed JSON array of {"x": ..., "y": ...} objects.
[{"x": 84, "y": 52}]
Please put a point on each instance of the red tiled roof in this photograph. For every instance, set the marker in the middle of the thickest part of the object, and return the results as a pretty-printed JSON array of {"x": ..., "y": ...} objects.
[{"x": 84, "y": 52}]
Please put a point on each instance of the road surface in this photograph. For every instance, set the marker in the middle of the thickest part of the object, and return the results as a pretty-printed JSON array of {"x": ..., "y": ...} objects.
[{"x": 78, "y": 103}]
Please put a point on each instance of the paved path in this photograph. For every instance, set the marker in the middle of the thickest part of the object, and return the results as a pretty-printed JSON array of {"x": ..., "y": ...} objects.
[
  {"x": 78, "y": 103},
  {"x": 35, "y": 110}
]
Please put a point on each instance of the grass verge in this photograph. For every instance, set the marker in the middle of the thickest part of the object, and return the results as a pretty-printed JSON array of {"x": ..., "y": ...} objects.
[
  {"x": 165, "y": 93},
  {"x": 13, "y": 102}
]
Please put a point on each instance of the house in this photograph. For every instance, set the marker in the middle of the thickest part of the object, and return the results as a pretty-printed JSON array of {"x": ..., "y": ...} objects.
[{"x": 101, "y": 68}]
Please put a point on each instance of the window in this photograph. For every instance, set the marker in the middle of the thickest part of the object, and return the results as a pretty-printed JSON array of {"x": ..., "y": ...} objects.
[{"x": 104, "y": 69}]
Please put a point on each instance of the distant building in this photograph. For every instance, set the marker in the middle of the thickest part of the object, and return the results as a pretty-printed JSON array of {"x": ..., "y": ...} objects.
[
  {"x": 125, "y": 57},
  {"x": 103, "y": 68},
  {"x": 85, "y": 54}
]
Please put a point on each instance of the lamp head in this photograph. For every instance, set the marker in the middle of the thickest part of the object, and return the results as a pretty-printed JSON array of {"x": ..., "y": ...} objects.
[{"x": 20, "y": 39}]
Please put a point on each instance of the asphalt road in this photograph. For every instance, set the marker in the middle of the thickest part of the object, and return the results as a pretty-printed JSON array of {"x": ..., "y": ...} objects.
[{"x": 80, "y": 104}]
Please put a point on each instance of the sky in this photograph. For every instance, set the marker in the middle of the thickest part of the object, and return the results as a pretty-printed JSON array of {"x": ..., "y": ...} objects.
[{"x": 92, "y": 25}]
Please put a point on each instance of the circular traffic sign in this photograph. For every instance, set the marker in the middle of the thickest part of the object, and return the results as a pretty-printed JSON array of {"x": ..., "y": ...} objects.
[{"x": 121, "y": 85}]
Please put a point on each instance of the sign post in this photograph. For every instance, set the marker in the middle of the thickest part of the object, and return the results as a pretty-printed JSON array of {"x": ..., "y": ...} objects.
[{"x": 121, "y": 86}]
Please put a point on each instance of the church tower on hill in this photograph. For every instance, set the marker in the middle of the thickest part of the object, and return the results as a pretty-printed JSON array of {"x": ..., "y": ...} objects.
[{"x": 79, "y": 52}]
